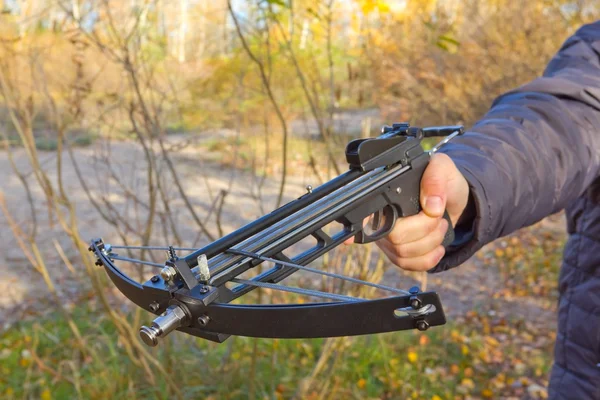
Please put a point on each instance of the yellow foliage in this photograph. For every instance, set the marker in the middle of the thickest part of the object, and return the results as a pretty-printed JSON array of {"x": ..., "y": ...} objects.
[
  {"x": 369, "y": 6},
  {"x": 484, "y": 356},
  {"x": 468, "y": 383},
  {"x": 492, "y": 341},
  {"x": 46, "y": 395},
  {"x": 361, "y": 383},
  {"x": 464, "y": 350},
  {"x": 412, "y": 357}
]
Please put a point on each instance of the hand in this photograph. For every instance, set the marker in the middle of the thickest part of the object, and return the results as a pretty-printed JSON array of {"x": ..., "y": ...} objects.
[{"x": 415, "y": 243}]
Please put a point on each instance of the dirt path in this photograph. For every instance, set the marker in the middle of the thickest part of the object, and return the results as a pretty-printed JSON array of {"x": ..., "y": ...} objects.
[{"x": 21, "y": 286}]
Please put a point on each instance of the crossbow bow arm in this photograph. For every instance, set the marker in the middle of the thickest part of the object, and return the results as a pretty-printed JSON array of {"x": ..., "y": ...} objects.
[{"x": 192, "y": 294}]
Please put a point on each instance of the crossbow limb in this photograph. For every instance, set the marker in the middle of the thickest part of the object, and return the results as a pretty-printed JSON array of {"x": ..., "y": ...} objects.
[{"x": 191, "y": 294}]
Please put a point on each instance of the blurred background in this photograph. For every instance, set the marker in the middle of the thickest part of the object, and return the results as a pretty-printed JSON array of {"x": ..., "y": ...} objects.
[{"x": 175, "y": 122}]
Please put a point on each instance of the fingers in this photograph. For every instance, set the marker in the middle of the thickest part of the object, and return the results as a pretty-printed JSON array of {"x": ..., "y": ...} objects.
[
  {"x": 415, "y": 242},
  {"x": 434, "y": 184},
  {"x": 419, "y": 255},
  {"x": 413, "y": 228},
  {"x": 409, "y": 229},
  {"x": 422, "y": 246},
  {"x": 421, "y": 263}
]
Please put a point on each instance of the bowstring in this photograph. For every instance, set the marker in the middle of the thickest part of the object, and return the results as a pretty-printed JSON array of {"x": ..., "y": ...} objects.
[
  {"x": 256, "y": 283},
  {"x": 318, "y": 271}
]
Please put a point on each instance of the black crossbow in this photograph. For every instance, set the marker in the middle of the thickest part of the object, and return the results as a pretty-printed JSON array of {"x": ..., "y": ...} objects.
[{"x": 190, "y": 293}]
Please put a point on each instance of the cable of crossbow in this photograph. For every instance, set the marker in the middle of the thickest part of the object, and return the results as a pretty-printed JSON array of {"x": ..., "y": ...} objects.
[
  {"x": 307, "y": 292},
  {"x": 317, "y": 271},
  {"x": 154, "y": 248},
  {"x": 135, "y": 260}
]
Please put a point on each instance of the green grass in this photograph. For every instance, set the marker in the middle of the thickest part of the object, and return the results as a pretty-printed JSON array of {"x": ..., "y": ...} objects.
[{"x": 476, "y": 356}]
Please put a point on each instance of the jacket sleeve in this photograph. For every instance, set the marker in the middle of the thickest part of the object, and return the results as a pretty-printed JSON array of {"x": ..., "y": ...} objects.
[{"x": 535, "y": 151}]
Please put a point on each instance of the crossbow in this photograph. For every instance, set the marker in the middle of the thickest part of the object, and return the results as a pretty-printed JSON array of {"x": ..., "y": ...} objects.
[{"x": 193, "y": 293}]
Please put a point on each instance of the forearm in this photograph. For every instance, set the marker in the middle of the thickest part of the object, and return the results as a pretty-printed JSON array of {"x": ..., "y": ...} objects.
[{"x": 536, "y": 150}]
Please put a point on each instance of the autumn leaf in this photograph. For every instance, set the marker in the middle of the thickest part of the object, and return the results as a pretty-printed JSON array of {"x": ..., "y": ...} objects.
[
  {"x": 412, "y": 357},
  {"x": 464, "y": 350},
  {"x": 361, "y": 383},
  {"x": 468, "y": 383},
  {"x": 46, "y": 395},
  {"x": 280, "y": 388}
]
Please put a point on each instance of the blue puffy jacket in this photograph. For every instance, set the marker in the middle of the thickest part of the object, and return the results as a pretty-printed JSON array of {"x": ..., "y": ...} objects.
[{"x": 536, "y": 152}]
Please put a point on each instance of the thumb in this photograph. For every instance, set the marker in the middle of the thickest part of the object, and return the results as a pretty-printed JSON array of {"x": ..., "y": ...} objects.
[{"x": 434, "y": 184}]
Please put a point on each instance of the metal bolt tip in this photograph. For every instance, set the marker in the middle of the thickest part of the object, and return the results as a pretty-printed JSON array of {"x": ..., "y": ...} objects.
[
  {"x": 149, "y": 335},
  {"x": 422, "y": 325},
  {"x": 203, "y": 320}
]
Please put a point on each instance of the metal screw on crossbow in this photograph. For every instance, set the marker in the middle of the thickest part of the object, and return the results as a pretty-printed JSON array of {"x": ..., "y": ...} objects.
[
  {"x": 422, "y": 325},
  {"x": 415, "y": 303},
  {"x": 154, "y": 279},
  {"x": 154, "y": 306},
  {"x": 204, "y": 289},
  {"x": 168, "y": 273},
  {"x": 309, "y": 189},
  {"x": 107, "y": 250},
  {"x": 203, "y": 320}
]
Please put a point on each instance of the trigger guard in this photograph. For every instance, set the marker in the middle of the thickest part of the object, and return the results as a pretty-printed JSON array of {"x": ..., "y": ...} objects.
[{"x": 363, "y": 238}]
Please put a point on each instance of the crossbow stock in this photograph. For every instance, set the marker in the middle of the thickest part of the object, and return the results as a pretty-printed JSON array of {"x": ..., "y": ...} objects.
[{"x": 191, "y": 293}]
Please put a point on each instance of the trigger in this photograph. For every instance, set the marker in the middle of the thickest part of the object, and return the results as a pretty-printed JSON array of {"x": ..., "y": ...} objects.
[{"x": 380, "y": 224}]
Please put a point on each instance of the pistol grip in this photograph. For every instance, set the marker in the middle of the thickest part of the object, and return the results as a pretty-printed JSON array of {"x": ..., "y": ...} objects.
[{"x": 449, "y": 236}]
